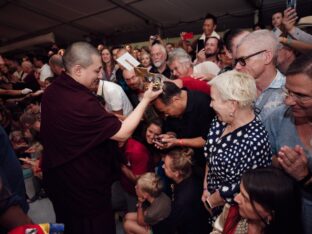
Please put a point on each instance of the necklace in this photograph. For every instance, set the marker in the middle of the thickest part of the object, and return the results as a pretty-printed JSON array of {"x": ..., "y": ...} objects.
[{"x": 242, "y": 227}]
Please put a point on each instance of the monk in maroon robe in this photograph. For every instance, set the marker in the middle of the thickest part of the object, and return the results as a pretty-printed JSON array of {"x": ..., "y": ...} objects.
[{"x": 79, "y": 139}]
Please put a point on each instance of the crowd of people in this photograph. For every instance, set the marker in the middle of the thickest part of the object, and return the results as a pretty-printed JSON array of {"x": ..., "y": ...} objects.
[{"x": 222, "y": 145}]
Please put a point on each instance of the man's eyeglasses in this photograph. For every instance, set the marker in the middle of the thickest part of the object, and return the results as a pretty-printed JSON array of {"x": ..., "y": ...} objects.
[
  {"x": 242, "y": 60},
  {"x": 301, "y": 98}
]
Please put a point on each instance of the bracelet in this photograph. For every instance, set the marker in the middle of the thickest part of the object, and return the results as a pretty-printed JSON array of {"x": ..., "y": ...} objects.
[
  {"x": 205, "y": 189},
  {"x": 181, "y": 143},
  {"x": 306, "y": 178}
]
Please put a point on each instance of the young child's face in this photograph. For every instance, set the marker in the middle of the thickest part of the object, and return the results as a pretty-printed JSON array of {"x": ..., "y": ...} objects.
[{"x": 139, "y": 193}]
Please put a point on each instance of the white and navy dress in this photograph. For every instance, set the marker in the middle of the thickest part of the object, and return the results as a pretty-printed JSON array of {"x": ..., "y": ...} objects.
[{"x": 229, "y": 156}]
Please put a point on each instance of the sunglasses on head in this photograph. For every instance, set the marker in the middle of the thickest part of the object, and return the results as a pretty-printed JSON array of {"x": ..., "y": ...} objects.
[{"x": 242, "y": 60}]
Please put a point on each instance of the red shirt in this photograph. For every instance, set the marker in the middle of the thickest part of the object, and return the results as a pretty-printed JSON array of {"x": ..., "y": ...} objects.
[
  {"x": 197, "y": 85},
  {"x": 138, "y": 161}
]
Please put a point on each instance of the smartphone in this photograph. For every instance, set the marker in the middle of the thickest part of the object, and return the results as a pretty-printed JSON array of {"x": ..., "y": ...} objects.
[
  {"x": 200, "y": 45},
  {"x": 291, "y": 3},
  {"x": 188, "y": 36},
  {"x": 153, "y": 37},
  {"x": 277, "y": 32}
]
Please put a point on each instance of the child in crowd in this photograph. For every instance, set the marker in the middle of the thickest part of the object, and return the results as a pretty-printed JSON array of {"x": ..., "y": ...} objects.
[{"x": 153, "y": 206}]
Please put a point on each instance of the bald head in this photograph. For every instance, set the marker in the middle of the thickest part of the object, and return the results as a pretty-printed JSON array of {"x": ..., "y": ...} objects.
[
  {"x": 56, "y": 64},
  {"x": 133, "y": 81},
  {"x": 79, "y": 53},
  {"x": 56, "y": 59}
]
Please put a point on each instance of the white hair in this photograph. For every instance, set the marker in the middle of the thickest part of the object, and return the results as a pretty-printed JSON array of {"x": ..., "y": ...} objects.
[
  {"x": 162, "y": 48},
  {"x": 261, "y": 40},
  {"x": 181, "y": 56},
  {"x": 237, "y": 86}
]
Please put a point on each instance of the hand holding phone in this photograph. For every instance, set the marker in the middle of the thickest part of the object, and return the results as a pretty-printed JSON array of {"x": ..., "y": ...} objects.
[
  {"x": 291, "y": 4},
  {"x": 187, "y": 36},
  {"x": 289, "y": 19},
  {"x": 153, "y": 38},
  {"x": 200, "y": 45}
]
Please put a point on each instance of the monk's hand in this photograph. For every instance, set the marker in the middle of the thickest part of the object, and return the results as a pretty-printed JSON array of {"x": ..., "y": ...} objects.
[
  {"x": 294, "y": 161},
  {"x": 26, "y": 91},
  {"x": 151, "y": 94}
]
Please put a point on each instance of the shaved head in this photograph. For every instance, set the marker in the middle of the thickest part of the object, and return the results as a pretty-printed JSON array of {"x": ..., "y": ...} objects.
[{"x": 79, "y": 53}]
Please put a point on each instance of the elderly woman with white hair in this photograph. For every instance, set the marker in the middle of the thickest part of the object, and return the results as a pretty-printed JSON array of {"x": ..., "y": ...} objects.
[{"x": 237, "y": 140}]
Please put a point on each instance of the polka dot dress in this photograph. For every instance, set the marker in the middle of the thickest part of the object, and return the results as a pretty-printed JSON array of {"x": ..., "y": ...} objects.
[{"x": 228, "y": 157}]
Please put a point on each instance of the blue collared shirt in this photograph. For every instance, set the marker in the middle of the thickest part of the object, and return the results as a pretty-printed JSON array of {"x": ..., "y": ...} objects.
[{"x": 272, "y": 96}]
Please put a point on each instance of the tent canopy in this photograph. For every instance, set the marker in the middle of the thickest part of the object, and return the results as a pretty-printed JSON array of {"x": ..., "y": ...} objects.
[{"x": 120, "y": 21}]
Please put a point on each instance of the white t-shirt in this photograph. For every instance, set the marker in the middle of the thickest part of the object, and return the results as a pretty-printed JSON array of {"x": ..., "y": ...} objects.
[
  {"x": 45, "y": 72},
  {"x": 114, "y": 96}
]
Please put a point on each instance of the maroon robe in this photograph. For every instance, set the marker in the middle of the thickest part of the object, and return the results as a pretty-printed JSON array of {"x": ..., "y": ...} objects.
[{"x": 78, "y": 157}]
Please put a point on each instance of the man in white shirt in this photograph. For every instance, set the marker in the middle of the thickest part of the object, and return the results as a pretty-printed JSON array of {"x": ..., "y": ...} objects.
[
  {"x": 44, "y": 69},
  {"x": 116, "y": 101}
]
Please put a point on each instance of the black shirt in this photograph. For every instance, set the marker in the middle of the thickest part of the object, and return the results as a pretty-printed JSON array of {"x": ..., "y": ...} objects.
[
  {"x": 188, "y": 214},
  {"x": 195, "y": 121},
  {"x": 166, "y": 72}
]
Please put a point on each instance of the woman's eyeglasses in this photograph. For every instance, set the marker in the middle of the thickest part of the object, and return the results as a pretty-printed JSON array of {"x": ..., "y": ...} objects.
[
  {"x": 301, "y": 98},
  {"x": 242, "y": 60}
]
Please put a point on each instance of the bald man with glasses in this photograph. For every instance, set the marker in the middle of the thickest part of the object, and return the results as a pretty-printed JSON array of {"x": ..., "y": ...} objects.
[{"x": 256, "y": 55}]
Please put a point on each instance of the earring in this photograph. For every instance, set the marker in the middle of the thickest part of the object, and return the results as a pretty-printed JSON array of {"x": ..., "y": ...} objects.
[
  {"x": 231, "y": 114},
  {"x": 267, "y": 220}
]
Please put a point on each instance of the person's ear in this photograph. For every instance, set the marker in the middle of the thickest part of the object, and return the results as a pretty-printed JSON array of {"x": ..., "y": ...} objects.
[
  {"x": 176, "y": 174},
  {"x": 268, "y": 57},
  {"x": 233, "y": 105},
  {"x": 228, "y": 53},
  {"x": 175, "y": 98},
  {"x": 76, "y": 70}
]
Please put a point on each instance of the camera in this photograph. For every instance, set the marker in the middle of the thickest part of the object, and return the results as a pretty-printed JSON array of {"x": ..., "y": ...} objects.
[{"x": 153, "y": 37}]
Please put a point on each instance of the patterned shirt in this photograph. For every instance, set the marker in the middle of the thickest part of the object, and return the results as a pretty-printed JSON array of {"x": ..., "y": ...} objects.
[{"x": 228, "y": 157}]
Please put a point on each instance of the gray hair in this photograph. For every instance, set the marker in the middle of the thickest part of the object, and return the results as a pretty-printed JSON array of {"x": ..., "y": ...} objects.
[
  {"x": 262, "y": 40},
  {"x": 162, "y": 48},
  {"x": 79, "y": 53},
  {"x": 56, "y": 60},
  {"x": 237, "y": 86},
  {"x": 181, "y": 56}
]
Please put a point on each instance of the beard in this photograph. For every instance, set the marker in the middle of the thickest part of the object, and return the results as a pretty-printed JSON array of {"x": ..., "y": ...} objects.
[
  {"x": 158, "y": 64},
  {"x": 209, "y": 55}
]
